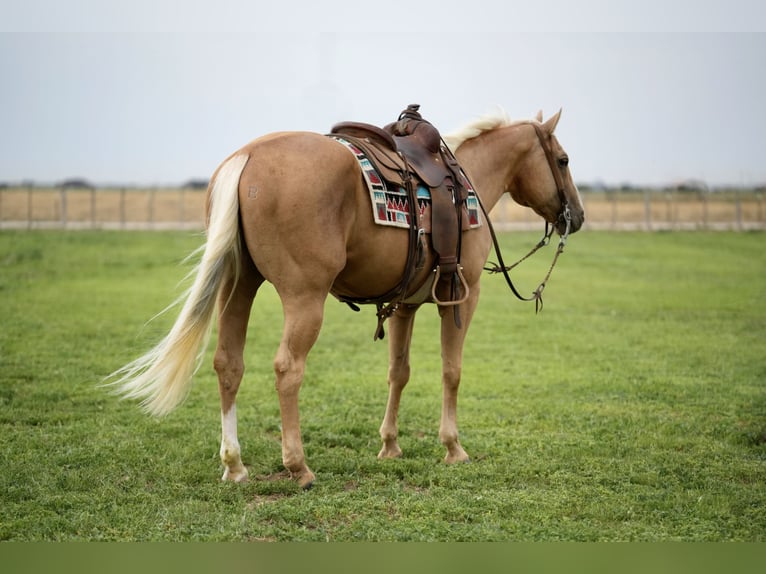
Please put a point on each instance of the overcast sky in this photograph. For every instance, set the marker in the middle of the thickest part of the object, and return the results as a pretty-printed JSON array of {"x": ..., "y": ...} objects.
[{"x": 161, "y": 92}]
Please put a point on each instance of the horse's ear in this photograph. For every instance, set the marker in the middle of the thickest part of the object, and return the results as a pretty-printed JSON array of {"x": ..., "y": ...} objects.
[
  {"x": 539, "y": 116},
  {"x": 550, "y": 125}
]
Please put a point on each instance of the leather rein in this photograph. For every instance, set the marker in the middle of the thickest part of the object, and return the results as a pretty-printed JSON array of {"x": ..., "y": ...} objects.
[{"x": 565, "y": 216}]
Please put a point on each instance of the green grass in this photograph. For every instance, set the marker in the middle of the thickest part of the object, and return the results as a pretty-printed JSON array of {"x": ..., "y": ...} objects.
[{"x": 632, "y": 408}]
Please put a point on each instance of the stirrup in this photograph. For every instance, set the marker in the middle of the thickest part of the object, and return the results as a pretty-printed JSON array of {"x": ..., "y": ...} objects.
[{"x": 463, "y": 282}]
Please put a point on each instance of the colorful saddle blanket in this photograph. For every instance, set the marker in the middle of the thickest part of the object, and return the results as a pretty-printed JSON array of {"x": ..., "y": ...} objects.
[{"x": 390, "y": 204}]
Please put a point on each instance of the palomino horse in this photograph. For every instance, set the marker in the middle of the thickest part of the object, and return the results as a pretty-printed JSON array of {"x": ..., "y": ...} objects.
[{"x": 293, "y": 209}]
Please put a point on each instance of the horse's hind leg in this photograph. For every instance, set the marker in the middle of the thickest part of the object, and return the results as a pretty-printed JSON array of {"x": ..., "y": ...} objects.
[
  {"x": 303, "y": 320},
  {"x": 399, "y": 339},
  {"x": 234, "y": 312}
]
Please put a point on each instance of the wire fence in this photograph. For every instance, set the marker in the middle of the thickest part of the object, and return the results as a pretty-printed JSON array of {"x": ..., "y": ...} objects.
[{"x": 183, "y": 208}]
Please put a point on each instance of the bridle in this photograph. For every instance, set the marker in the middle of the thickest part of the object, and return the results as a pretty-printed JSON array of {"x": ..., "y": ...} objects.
[{"x": 565, "y": 217}]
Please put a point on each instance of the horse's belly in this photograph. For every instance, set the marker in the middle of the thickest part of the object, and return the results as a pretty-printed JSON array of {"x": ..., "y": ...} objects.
[{"x": 374, "y": 269}]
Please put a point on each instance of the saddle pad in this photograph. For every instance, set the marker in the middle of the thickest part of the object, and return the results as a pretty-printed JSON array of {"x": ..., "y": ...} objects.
[{"x": 390, "y": 205}]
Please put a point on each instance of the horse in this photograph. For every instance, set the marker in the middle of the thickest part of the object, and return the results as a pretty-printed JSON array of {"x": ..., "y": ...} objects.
[{"x": 292, "y": 208}]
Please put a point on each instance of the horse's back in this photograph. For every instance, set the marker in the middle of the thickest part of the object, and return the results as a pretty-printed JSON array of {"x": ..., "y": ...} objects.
[
  {"x": 306, "y": 214},
  {"x": 294, "y": 168}
]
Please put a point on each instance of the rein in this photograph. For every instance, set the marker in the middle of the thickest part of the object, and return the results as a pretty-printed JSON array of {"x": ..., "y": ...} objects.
[{"x": 501, "y": 267}]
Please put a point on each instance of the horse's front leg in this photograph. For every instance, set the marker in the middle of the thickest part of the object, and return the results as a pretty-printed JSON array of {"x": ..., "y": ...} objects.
[
  {"x": 452, "y": 339},
  {"x": 399, "y": 338},
  {"x": 303, "y": 320}
]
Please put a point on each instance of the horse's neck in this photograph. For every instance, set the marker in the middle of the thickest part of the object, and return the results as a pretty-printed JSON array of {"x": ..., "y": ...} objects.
[{"x": 491, "y": 159}]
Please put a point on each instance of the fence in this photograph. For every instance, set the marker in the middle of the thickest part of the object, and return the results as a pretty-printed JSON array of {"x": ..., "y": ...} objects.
[
  {"x": 102, "y": 208},
  {"x": 183, "y": 208}
]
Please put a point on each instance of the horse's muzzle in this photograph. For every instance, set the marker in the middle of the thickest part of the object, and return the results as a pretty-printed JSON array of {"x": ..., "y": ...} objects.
[{"x": 569, "y": 220}]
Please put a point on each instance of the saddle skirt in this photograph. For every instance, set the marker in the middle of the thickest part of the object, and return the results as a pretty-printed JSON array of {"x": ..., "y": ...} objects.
[{"x": 390, "y": 199}]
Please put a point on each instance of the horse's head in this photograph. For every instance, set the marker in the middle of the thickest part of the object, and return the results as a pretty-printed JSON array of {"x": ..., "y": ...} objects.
[{"x": 544, "y": 182}]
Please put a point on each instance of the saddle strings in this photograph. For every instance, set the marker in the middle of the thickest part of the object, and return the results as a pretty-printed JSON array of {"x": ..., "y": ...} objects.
[{"x": 501, "y": 267}]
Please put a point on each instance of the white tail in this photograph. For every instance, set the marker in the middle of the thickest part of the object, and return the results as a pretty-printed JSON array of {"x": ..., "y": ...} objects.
[{"x": 162, "y": 377}]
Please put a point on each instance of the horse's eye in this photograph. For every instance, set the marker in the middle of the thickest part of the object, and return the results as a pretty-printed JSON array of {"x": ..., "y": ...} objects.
[{"x": 563, "y": 161}]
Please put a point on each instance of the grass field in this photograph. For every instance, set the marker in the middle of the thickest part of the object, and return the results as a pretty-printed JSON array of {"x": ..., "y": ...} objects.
[{"x": 632, "y": 408}]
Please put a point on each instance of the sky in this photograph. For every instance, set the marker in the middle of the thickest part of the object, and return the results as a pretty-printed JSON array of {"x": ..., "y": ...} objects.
[{"x": 158, "y": 93}]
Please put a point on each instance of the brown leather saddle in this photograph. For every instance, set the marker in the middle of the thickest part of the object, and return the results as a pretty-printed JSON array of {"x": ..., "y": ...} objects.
[{"x": 408, "y": 152}]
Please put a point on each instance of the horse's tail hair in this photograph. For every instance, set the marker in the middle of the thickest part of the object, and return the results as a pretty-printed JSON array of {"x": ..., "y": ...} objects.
[{"x": 161, "y": 378}]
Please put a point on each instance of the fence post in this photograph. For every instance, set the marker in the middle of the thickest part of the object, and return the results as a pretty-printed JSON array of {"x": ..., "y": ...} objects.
[
  {"x": 64, "y": 208},
  {"x": 93, "y": 208},
  {"x": 669, "y": 209},
  {"x": 151, "y": 208},
  {"x": 29, "y": 207},
  {"x": 738, "y": 204},
  {"x": 122, "y": 208},
  {"x": 182, "y": 210},
  {"x": 705, "y": 213},
  {"x": 647, "y": 209}
]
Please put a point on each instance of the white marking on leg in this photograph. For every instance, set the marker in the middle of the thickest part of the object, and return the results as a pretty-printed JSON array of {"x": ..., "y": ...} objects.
[{"x": 230, "y": 451}]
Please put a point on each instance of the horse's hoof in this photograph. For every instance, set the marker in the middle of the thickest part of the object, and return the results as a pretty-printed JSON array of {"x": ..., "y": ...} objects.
[
  {"x": 238, "y": 475},
  {"x": 305, "y": 479},
  {"x": 458, "y": 458},
  {"x": 390, "y": 452}
]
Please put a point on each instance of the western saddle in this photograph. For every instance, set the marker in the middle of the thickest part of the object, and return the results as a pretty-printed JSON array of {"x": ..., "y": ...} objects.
[{"x": 406, "y": 153}]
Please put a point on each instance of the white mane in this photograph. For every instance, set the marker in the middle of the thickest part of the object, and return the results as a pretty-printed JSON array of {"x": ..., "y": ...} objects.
[{"x": 498, "y": 118}]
